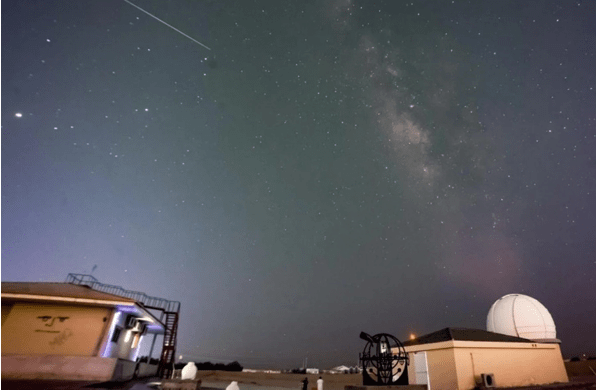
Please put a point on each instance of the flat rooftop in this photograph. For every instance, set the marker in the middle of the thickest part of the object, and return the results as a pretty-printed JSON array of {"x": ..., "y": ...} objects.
[{"x": 60, "y": 291}]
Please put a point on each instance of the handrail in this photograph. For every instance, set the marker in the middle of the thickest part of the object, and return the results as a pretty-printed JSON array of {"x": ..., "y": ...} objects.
[{"x": 147, "y": 301}]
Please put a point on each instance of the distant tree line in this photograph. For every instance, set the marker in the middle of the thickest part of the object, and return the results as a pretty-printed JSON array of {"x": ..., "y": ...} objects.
[
  {"x": 209, "y": 366},
  {"x": 351, "y": 370}
]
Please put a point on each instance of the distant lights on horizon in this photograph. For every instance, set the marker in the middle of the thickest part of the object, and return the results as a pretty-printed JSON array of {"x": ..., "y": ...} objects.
[{"x": 19, "y": 115}]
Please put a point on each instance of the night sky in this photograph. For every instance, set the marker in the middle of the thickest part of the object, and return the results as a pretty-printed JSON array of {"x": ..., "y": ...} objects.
[{"x": 328, "y": 167}]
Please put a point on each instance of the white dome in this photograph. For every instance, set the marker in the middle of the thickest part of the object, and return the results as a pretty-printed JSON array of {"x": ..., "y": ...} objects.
[{"x": 521, "y": 316}]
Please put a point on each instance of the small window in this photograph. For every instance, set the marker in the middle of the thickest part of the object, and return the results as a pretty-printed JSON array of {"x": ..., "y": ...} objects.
[{"x": 116, "y": 334}]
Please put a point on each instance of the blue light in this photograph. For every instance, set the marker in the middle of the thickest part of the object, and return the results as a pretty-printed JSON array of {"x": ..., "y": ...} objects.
[
  {"x": 126, "y": 309},
  {"x": 108, "y": 347}
]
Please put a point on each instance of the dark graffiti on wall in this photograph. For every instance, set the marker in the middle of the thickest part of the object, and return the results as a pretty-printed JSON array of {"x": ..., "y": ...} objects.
[
  {"x": 48, "y": 327},
  {"x": 49, "y": 323},
  {"x": 61, "y": 337}
]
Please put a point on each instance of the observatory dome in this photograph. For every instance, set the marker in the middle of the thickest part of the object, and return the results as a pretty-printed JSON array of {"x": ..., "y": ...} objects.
[{"x": 521, "y": 316}]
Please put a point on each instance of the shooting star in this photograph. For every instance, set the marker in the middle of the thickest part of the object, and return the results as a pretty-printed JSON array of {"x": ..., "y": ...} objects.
[{"x": 173, "y": 28}]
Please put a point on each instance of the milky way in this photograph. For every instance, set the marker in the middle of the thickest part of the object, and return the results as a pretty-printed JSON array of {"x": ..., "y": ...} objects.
[{"x": 326, "y": 168}]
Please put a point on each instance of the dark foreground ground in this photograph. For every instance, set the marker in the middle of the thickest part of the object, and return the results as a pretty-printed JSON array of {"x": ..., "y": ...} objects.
[
  {"x": 73, "y": 385},
  {"x": 212, "y": 380},
  {"x": 55, "y": 385}
]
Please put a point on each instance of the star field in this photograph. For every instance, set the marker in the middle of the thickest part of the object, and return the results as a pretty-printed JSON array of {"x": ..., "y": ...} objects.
[{"x": 326, "y": 168}]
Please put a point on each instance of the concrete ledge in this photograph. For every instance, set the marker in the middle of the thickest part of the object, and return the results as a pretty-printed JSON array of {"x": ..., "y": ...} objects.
[
  {"x": 80, "y": 368},
  {"x": 179, "y": 384},
  {"x": 403, "y": 387}
]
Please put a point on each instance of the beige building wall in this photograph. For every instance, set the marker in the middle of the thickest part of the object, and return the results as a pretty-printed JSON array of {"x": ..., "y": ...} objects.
[
  {"x": 512, "y": 364},
  {"x": 47, "y": 329},
  {"x": 459, "y": 364},
  {"x": 6, "y": 307},
  {"x": 72, "y": 368},
  {"x": 442, "y": 369},
  {"x": 441, "y": 365},
  {"x": 61, "y": 367}
]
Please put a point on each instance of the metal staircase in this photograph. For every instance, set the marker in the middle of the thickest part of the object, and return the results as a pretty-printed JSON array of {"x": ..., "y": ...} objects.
[
  {"x": 169, "y": 348},
  {"x": 169, "y": 315}
]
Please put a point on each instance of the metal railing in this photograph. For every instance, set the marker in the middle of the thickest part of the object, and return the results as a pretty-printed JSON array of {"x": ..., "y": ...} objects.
[{"x": 147, "y": 301}]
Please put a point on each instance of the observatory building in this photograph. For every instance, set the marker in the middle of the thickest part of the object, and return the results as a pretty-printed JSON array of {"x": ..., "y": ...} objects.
[
  {"x": 84, "y": 330},
  {"x": 519, "y": 348},
  {"x": 521, "y": 316}
]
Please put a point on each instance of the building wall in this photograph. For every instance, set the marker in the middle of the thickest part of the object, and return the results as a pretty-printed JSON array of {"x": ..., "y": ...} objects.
[
  {"x": 127, "y": 344},
  {"x": 513, "y": 364},
  {"x": 459, "y": 364},
  {"x": 48, "y": 329},
  {"x": 73, "y": 368},
  {"x": 81, "y": 368},
  {"x": 69, "y": 342},
  {"x": 442, "y": 369},
  {"x": 6, "y": 308},
  {"x": 441, "y": 365}
]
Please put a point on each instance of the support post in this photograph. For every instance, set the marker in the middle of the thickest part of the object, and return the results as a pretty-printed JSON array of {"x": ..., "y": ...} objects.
[{"x": 155, "y": 336}]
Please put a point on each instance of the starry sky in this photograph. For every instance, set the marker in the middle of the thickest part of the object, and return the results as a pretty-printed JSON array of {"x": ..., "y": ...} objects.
[{"x": 320, "y": 168}]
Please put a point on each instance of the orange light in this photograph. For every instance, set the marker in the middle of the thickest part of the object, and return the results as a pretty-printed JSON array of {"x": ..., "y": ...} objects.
[{"x": 412, "y": 336}]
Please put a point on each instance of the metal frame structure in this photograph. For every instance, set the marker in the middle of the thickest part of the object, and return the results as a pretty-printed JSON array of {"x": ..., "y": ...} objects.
[
  {"x": 169, "y": 315},
  {"x": 384, "y": 360}
]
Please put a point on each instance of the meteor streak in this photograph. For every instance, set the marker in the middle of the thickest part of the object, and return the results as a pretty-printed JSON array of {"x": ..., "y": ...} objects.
[{"x": 173, "y": 28}]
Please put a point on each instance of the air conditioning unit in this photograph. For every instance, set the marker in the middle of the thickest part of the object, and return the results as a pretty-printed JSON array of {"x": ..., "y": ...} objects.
[
  {"x": 131, "y": 321},
  {"x": 137, "y": 327},
  {"x": 488, "y": 380},
  {"x": 140, "y": 328}
]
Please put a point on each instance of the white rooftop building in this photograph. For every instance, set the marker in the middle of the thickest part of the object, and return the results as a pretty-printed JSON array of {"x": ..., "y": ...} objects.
[{"x": 519, "y": 348}]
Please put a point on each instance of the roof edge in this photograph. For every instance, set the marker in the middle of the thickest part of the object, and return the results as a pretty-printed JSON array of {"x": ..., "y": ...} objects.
[{"x": 36, "y": 297}]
